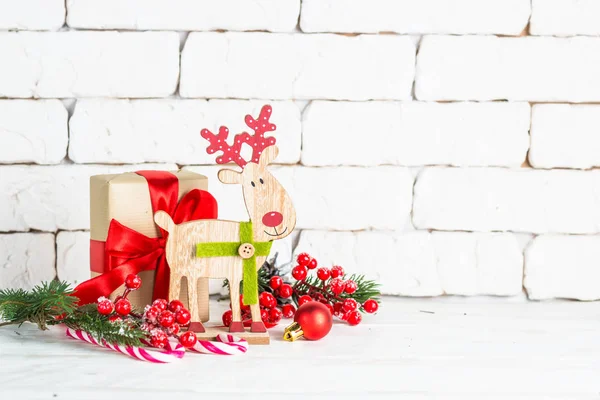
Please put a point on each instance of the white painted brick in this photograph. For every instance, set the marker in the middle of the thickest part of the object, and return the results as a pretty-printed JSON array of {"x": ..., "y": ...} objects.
[
  {"x": 86, "y": 64},
  {"x": 344, "y": 198},
  {"x": 32, "y": 14},
  {"x": 185, "y": 15},
  {"x": 565, "y": 17},
  {"x": 519, "y": 200},
  {"x": 33, "y": 131},
  {"x": 133, "y": 131},
  {"x": 423, "y": 264},
  {"x": 479, "y": 263},
  {"x": 51, "y": 198},
  {"x": 26, "y": 259},
  {"x": 73, "y": 257},
  {"x": 543, "y": 69},
  {"x": 562, "y": 266},
  {"x": 415, "y": 133},
  {"x": 508, "y": 17},
  {"x": 297, "y": 66},
  {"x": 565, "y": 136}
]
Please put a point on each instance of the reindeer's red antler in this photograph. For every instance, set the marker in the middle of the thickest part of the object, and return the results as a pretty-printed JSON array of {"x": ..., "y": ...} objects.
[{"x": 258, "y": 142}]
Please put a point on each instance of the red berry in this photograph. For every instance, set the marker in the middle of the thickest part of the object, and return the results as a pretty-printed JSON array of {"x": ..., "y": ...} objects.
[
  {"x": 166, "y": 318},
  {"x": 275, "y": 315},
  {"x": 275, "y": 282},
  {"x": 304, "y": 299},
  {"x": 133, "y": 282},
  {"x": 227, "y": 318},
  {"x": 175, "y": 305},
  {"x": 337, "y": 271},
  {"x": 370, "y": 306},
  {"x": 338, "y": 308},
  {"x": 330, "y": 307},
  {"x": 174, "y": 329},
  {"x": 323, "y": 273},
  {"x": 267, "y": 300},
  {"x": 264, "y": 315},
  {"x": 351, "y": 287},
  {"x": 303, "y": 259},
  {"x": 188, "y": 339},
  {"x": 115, "y": 318},
  {"x": 183, "y": 317},
  {"x": 286, "y": 291},
  {"x": 151, "y": 313},
  {"x": 288, "y": 310},
  {"x": 337, "y": 286},
  {"x": 105, "y": 306},
  {"x": 312, "y": 264},
  {"x": 350, "y": 305},
  {"x": 159, "y": 338},
  {"x": 299, "y": 272},
  {"x": 243, "y": 307},
  {"x": 353, "y": 317},
  {"x": 123, "y": 307},
  {"x": 319, "y": 297},
  {"x": 161, "y": 304}
]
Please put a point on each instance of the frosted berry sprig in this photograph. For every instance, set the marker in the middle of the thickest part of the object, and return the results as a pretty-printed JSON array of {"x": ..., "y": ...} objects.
[{"x": 160, "y": 320}]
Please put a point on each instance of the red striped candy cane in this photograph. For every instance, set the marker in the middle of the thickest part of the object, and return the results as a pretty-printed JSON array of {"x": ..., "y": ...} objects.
[
  {"x": 174, "y": 351},
  {"x": 226, "y": 345}
]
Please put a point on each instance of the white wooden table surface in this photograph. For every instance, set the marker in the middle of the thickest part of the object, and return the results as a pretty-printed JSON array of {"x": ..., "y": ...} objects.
[{"x": 456, "y": 348}]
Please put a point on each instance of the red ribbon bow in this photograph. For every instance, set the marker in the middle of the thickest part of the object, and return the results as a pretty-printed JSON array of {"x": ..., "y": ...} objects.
[{"x": 129, "y": 252}]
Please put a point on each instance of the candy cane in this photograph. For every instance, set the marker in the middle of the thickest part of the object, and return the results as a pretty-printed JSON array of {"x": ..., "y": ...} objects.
[
  {"x": 225, "y": 345},
  {"x": 174, "y": 351}
]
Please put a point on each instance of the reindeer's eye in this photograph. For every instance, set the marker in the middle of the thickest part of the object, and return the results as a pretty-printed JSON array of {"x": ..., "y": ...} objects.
[
  {"x": 261, "y": 181},
  {"x": 252, "y": 183}
]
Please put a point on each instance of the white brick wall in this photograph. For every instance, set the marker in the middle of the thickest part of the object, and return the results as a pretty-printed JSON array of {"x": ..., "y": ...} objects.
[
  {"x": 415, "y": 136},
  {"x": 296, "y": 66},
  {"x": 185, "y": 15},
  {"x": 507, "y": 17}
]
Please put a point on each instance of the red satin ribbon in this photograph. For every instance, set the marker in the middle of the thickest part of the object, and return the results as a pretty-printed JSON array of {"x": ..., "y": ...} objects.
[{"x": 129, "y": 252}]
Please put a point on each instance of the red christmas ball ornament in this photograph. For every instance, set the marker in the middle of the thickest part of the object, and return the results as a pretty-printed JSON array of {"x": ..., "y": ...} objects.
[
  {"x": 188, "y": 339},
  {"x": 161, "y": 304},
  {"x": 123, "y": 307},
  {"x": 275, "y": 282},
  {"x": 371, "y": 306},
  {"x": 105, "y": 306},
  {"x": 337, "y": 271},
  {"x": 304, "y": 299},
  {"x": 323, "y": 273},
  {"x": 303, "y": 259},
  {"x": 267, "y": 300},
  {"x": 286, "y": 291},
  {"x": 288, "y": 310},
  {"x": 133, "y": 282},
  {"x": 166, "y": 318},
  {"x": 350, "y": 287},
  {"x": 329, "y": 307},
  {"x": 353, "y": 317},
  {"x": 312, "y": 264},
  {"x": 183, "y": 317},
  {"x": 312, "y": 321},
  {"x": 227, "y": 318},
  {"x": 299, "y": 272},
  {"x": 175, "y": 305}
]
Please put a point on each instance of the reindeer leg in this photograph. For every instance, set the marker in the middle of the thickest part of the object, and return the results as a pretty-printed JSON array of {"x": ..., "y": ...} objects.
[
  {"x": 196, "y": 324},
  {"x": 174, "y": 285},
  {"x": 234, "y": 297},
  {"x": 257, "y": 323}
]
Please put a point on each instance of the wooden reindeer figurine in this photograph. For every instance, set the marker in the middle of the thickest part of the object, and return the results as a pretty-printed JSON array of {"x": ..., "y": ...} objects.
[{"x": 229, "y": 249}]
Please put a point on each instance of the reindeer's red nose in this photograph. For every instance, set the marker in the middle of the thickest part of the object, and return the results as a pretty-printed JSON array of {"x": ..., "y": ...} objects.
[{"x": 272, "y": 219}]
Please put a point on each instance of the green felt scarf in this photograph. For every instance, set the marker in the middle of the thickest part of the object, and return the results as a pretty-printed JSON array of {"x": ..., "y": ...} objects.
[{"x": 230, "y": 249}]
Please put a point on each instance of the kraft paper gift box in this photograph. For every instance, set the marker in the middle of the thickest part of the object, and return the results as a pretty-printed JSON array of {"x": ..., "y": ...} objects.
[{"x": 126, "y": 198}]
